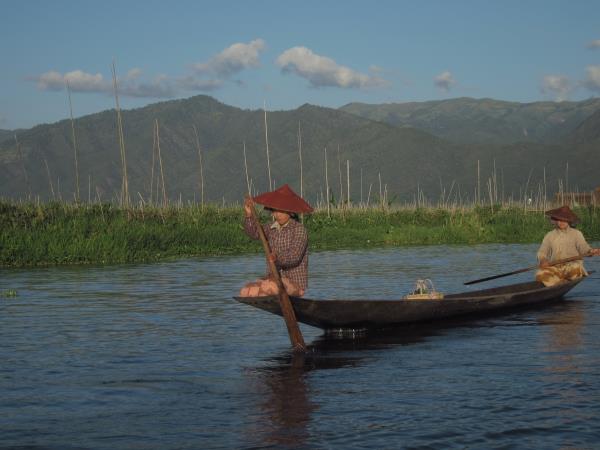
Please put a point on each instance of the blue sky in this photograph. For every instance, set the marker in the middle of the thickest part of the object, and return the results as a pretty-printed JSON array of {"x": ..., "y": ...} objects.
[{"x": 287, "y": 53}]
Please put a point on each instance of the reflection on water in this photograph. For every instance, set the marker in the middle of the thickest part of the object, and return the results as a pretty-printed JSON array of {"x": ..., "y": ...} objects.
[
  {"x": 564, "y": 337},
  {"x": 566, "y": 378},
  {"x": 286, "y": 408},
  {"x": 160, "y": 356}
]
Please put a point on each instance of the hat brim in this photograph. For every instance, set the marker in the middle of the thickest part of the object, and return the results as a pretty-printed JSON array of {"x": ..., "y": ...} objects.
[
  {"x": 563, "y": 214},
  {"x": 284, "y": 199}
]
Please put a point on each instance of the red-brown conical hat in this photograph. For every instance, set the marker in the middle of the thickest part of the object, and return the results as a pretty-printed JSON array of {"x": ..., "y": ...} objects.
[
  {"x": 284, "y": 199},
  {"x": 563, "y": 213}
]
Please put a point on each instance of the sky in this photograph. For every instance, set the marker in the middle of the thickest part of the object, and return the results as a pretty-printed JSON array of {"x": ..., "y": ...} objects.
[{"x": 283, "y": 54}]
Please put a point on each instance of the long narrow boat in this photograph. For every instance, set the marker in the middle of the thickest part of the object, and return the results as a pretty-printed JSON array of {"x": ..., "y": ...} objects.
[{"x": 376, "y": 314}]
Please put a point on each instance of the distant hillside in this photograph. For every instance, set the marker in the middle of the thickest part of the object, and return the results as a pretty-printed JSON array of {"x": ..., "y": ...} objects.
[
  {"x": 405, "y": 158},
  {"x": 6, "y": 134},
  {"x": 587, "y": 131},
  {"x": 484, "y": 121}
]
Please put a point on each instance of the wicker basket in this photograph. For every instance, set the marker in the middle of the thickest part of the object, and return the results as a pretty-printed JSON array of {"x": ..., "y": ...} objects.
[{"x": 424, "y": 290}]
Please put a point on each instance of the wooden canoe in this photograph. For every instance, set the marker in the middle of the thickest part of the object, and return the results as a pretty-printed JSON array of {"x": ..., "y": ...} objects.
[{"x": 336, "y": 315}]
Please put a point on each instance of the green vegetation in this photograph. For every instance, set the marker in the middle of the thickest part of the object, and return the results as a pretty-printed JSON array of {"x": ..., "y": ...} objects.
[
  {"x": 435, "y": 226},
  {"x": 9, "y": 293},
  {"x": 62, "y": 233}
]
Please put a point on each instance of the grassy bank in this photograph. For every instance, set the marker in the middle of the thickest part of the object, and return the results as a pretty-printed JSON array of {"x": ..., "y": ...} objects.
[{"x": 63, "y": 233}]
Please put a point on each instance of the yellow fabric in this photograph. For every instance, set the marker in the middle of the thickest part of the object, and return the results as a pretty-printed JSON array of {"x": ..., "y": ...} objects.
[{"x": 554, "y": 275}]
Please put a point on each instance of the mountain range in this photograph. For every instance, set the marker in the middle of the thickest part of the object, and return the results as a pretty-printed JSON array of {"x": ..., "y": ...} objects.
[
  {"x": 441, "y": 149},
  {"x": 484, "y": 121},
  {"x": 6, "y": 134}
]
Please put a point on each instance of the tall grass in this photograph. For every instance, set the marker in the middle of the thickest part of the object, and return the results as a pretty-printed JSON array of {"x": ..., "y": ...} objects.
[{"x": 68, "y": 233}]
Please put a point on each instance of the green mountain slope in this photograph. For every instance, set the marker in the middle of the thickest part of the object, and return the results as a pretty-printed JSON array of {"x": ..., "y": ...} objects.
[
  {"x": 6, "y": 134},
  {"x": 587, "y": 131},
  {"x": 483, "y": 121},
  {"x": 406, "y": 159}
]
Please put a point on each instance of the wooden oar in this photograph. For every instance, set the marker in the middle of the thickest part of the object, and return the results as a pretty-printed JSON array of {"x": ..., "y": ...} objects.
[
  {"x": 514, "y": 272},
  {"x": 284, "y": 299}
]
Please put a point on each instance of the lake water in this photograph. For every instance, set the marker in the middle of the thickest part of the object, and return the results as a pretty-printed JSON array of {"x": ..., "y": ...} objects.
[{"x": 160, "y": 356}]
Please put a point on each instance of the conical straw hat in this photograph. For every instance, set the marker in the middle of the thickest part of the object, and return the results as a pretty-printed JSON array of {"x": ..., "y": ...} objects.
[
  {"x": 284, "y": 199},
  {"x": 563, "y": 213}
]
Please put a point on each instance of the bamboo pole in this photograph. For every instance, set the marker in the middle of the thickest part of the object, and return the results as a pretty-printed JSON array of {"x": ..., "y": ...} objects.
[
  {"x": 162, "y": 174},
  {"x": 545, "y": 192},
  {"x": 246, "y": 167},
  {"x": 348, "y": 182},
  {"x": 380, "y": 192},
  {"x": 77, "y": 193},
  {"x": 361, "y": 186},
  {"x": 478, "y": 185},
  {"x": 495, "y": 184},
  {"x": 202, "y": 166},
  {"x": 50, "y": 179},
  {"x": 385, "y": 196},
  {"x": 327, "y": 184},
  {"x": 124, "y": 180},
  {"x": 267, "y": 145},
  {"x": 300, "y": 156},
  {"x": 341, "y": 200},
  {"x": 537, "y": 266},
  {"x": 153, "y": 164},
  {"x": 74, "y": 143}
]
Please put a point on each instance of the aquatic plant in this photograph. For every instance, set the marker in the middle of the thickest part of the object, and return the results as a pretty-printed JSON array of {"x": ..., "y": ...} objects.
[{"x": 92, "y": 233}]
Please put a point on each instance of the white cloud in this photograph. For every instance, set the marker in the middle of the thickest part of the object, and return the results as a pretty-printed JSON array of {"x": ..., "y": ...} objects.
[
  {"x": 592, "y": 80},
  {"x": 557, "y": 85},
  {"x": 323, "y": 71},
  {"x": 131, "y": 85},
  {"x": 232, "y": 60},
  {"x": 50, "y": 81},
  {"x": 594, "y": 44},
  {"x": 78, "y": 81},
  {"x": 134, "y": 74},
  {"x": 81, "y": 81},
  {"x": 444, "y": 81}
]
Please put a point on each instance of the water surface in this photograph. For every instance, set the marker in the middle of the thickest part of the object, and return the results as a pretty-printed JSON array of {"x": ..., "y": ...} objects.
[{"x": 159, "y": 356}]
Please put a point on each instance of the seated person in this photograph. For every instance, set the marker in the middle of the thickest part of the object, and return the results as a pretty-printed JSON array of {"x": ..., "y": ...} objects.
[
  {"x": 287, "y": 240},
  {"x": 562, "y": 242}
]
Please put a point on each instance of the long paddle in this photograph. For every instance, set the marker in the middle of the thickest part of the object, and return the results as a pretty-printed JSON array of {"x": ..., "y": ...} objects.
[
  {"x": 514, "y": 272},
  {"x": 284, "y": 299}
]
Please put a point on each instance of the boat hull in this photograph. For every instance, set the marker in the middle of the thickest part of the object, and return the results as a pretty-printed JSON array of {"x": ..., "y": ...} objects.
[{"x": 373, "y": 314}]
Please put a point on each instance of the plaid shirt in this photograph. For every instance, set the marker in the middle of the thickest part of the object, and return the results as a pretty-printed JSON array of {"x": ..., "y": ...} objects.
[{"x": 290, "y": 245}]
